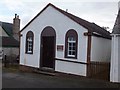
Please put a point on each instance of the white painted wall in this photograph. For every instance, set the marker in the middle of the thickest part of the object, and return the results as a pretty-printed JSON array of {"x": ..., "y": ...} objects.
[
  {"x": 71, "y": 68},
  {"x": 112, "y": 61},
  {"x": 30, "y": 59},
  {"x": 115, "y": 61},
  {"x": 61, "y": 24},
  {"x": 119, "y": 58},
  {"x": 100, "y": 49}
]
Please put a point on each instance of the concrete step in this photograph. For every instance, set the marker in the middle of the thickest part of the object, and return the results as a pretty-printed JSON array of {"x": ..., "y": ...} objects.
[
  {"x": 44, "y": 72},
  {"x": 46, "y": 69}
]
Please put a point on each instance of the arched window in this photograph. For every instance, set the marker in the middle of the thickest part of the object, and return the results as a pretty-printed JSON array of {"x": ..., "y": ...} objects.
[
  {"x": 71, "y": 43},
  {"x": 29, "y": 42}
]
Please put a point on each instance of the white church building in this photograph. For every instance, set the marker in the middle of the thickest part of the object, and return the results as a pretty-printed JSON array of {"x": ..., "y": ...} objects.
[{"x": 57, "y": 40}]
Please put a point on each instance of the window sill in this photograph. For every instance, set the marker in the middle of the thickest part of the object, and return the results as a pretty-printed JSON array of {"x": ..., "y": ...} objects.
[
  {"x": 70, "y": 57},
  {"x": 28, "y": 53}
]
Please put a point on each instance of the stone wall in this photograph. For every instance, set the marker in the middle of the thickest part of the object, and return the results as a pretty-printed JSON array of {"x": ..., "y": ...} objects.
[{"x": 11, "y": 53}]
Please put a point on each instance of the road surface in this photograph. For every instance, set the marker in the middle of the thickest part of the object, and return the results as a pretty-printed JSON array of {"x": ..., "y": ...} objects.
[{"x": 17, "y": 79}]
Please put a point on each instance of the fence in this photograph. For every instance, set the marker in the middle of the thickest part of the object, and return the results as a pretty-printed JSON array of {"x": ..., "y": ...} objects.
[{"x": 100, "y": 70}]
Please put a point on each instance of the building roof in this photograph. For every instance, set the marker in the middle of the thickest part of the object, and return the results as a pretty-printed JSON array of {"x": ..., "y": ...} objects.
[
  {"x": 7, "y": 27},
  {"x": 2, "y": 32},
  {"x": 116, "y": 28},
  {"x": 8, "y": 41},
  {"x": 92, "y": 27}
]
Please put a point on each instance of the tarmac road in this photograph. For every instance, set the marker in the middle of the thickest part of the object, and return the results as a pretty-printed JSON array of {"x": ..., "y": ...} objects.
[{"x": 33, "y": 80}]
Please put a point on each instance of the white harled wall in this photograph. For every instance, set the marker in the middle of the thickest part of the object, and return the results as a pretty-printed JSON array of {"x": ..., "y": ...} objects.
[
  {"x": 61, "y": 24},
  {"x": 100, "y": 49},
  {"x": 115, "y": 59},
  {"x": 119, "y": 58}
]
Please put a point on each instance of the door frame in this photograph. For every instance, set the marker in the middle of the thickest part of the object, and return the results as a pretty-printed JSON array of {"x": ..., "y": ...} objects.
[{"x": 47, "y": 32}]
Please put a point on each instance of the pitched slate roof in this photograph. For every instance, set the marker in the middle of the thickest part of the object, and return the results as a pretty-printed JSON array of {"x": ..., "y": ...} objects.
[
  {"x": 116, "y": 28},
  {"x": 92, "y": 27},
  {"x": 8, "y": 41},
  {"x": 7, "y": 27}
]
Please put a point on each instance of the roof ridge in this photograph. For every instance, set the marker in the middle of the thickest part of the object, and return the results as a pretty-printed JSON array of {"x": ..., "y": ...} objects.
[
  {"x": 6, "y": 22},
  {"x": 68, "y": 14},
  {"x": 78, "y": 18},
  {"x": 101, "y": 27},
  {"x": 116, "y": 27},
  {"x": 86, "y": 24}
]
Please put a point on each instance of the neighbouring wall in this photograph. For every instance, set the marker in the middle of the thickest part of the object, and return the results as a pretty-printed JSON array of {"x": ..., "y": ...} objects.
[
  {"x": 100, "y": 49},
  {"x": 11, "y": 51},
  {"x": 119, "y": 58},
  {"x": 114, "y": 71}
]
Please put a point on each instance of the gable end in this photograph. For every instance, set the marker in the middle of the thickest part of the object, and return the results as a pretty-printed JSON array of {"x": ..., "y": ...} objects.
[{"x": 91, "y": 27}]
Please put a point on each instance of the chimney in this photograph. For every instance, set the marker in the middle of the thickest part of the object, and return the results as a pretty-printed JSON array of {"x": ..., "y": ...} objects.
[{"x": 16, "y": 27}]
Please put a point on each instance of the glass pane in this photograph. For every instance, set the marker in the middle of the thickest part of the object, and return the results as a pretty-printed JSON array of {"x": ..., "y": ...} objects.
[
  {"x": 69, "y": 53},
  {"x": 29, "y": 41},
  {"x": 70, "y": 48},
  {"x": 70, "y": 38},
  {"x": 28, "y": 49},
  {"x": 73, "y": 48},
  {"x": 74, "y": 39},
  {"x": 69, "y": 44},
  {"x": 73, "y": 44},
  {"x": 73, "y": 53}
]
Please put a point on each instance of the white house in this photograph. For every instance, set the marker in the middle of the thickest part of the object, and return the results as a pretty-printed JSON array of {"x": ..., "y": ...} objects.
[
  {"x": 9, "y": 37},
  {"x": 115, "y": 53},
  {"x": 55, "y": 39}
]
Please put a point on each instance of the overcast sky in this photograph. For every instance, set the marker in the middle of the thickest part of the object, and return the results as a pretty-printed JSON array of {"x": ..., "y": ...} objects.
[{"x": 101, "y": 12}]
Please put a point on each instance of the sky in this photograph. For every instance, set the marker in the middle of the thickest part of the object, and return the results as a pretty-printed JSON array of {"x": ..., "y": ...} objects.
[{"x": 101, "y": 12}]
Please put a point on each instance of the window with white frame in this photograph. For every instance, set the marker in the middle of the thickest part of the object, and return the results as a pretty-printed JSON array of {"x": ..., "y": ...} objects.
[
  {"x": 71, "y": 46},
  {"x": 29, "y": 42},
  {"x": 71, "y": 40}
]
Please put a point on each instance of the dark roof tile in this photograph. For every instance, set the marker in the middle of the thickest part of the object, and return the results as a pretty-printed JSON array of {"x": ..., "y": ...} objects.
[
  {"x": 116, "y": 28},
  {"x": 9, "y": 42},
  {"x": 8, "y": 27}
]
